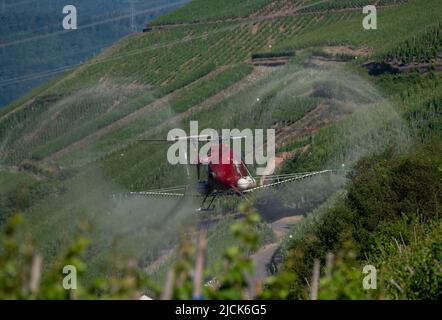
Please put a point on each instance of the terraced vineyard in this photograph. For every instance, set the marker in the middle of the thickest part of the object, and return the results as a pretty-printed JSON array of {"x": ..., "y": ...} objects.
[
  {"x": 75, "y": 139},
  {"x": 147, "y": 75},
  {"x": 347, "y": 4},
  {"x": 202, "y": 10},
  {"x": 424, "y": 47},
  {"x": 210, "y": 10}
]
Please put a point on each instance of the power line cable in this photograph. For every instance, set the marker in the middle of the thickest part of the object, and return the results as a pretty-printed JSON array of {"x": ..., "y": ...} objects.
[
  {"x": 134, "y": 52},
  {"x": 93, "y": 24},
  {"x": 112, "y": 58},
  {"x": 113, "y": 13},
  {"x": 16, "y": 4}
]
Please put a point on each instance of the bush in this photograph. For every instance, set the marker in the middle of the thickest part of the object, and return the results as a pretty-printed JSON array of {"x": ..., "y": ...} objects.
[
  {"x": 409, "y": 255},
  {"x": 384, "y": 189}
]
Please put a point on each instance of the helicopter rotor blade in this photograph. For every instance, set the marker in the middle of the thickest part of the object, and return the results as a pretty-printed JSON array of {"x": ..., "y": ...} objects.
[{"x": 201, "y": 138}]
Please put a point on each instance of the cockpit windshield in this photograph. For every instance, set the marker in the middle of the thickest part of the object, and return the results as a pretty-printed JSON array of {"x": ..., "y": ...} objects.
[{"x": 241, "y": 169}]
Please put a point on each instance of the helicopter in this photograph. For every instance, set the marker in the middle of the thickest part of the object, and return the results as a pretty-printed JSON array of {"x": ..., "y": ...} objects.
[{"x": 221, "y": 172}]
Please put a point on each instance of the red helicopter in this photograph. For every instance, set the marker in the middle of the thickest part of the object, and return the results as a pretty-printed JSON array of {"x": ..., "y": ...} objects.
[{"x": 225, "y": 174}]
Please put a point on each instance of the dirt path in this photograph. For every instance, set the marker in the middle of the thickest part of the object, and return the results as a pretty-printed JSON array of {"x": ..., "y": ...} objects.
[{"x": 263, "y": 256}]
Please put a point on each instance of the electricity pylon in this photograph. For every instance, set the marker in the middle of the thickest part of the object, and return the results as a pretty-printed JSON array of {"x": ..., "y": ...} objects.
[{"x": 132, "y": 24}]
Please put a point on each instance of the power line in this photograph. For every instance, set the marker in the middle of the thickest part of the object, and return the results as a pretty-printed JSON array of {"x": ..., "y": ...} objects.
[
  {"x": 133, "y": 26},
  {"x": 115, "y": 13},
  {"x": 86, "y": 17},
  {"x": 86, "y": 26},
  {"x": 129, "y": 53},
  {"x": 16, "y": 4},
  {"x": 113, "y": 58},
  {"x": 34, "y": 76},
  {"x": 27, "y": 33}
]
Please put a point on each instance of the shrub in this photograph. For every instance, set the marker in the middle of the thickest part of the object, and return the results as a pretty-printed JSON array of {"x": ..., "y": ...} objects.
[{"x": 382, "y": 188}]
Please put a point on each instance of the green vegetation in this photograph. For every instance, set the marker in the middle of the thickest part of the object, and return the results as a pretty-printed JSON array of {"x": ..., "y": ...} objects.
[
  {"x": 289, "y": 110},
  {"x": 398, "y": 24},
  {"x": 424, "y": 47},
  {"x": 188, "y": 78},
  {"x": 384, "y": 219},
  {"x": 203, "y": 10},
  {"x": 20, "y": 190},
  {"x": 69, "y": 147},
  {"x": 9, "y": 180},
  {"x": 22, "y": 276},
  {"x": 206, "y": 89},
  {"x": 170, "y": 59},
  {"x": 346, "y": 4}
]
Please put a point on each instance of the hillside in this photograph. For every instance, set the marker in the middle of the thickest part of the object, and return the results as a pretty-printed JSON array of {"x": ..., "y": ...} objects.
[
  {"x": 35, "y": 48},
  {"x": 71, "y": 143}
]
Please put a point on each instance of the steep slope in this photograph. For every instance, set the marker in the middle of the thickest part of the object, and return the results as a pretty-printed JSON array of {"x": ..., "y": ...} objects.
[{"x": 77, "y": 133}]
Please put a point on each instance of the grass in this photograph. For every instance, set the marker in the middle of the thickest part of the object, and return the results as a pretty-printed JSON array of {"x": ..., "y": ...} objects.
[
  {"x": 345, "y": 4},
  {"x": 395, "y": 25},
  {"x": 196, "y": 94},
  {"x": 421, "y": 48},
  {"x": 9, "y": 181},
  {"x": 203, "y": 10},
  {"x": 186, "y": 98}
]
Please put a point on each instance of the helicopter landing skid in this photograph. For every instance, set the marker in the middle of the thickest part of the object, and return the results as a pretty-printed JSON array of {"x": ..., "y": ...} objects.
[{"x": 210, "y": 207}]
